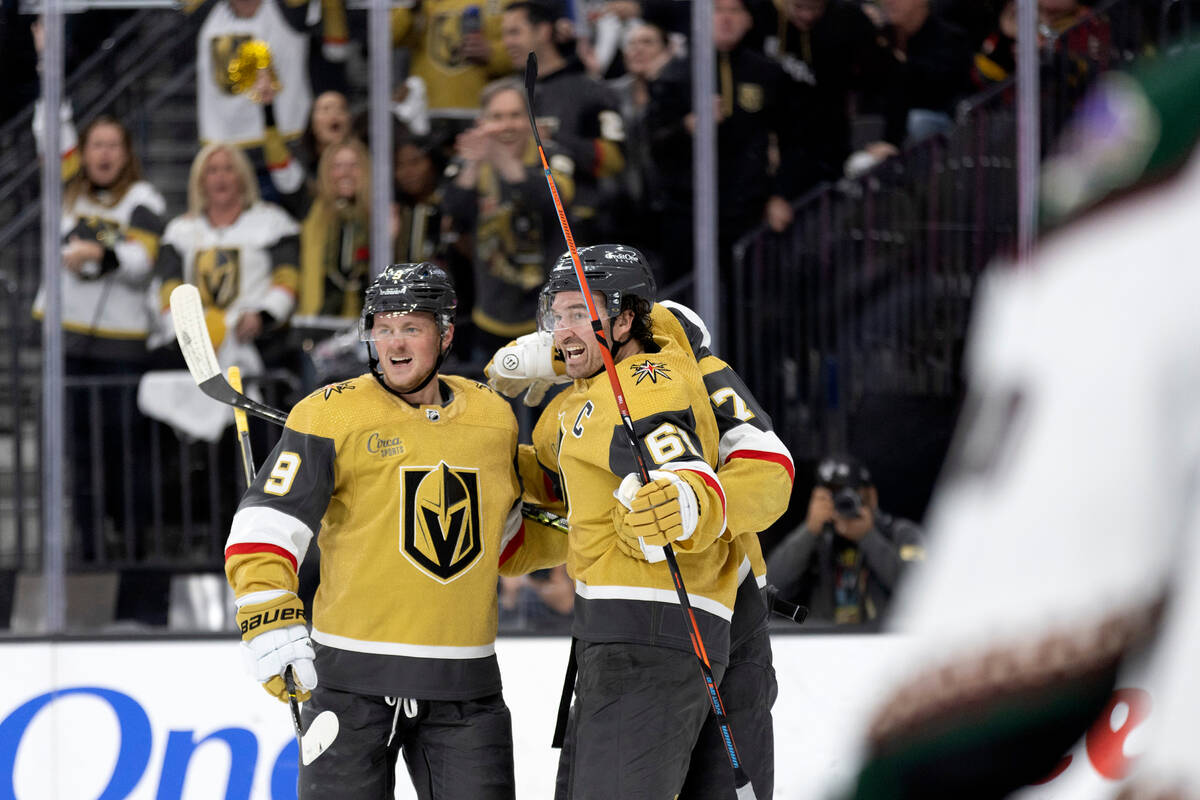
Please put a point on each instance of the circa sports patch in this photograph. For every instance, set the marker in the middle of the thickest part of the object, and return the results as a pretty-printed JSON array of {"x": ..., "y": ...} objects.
[{"x": 650, "y": 369}]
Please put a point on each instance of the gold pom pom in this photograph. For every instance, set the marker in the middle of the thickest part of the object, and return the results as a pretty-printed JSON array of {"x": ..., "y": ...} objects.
[{"x": 252, "y": 57}]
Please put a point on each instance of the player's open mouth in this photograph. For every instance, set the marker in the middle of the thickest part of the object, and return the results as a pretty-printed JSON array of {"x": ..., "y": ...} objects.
[
  {"x": 397, "y": 360},
  {"x": 574, "y": 351}
]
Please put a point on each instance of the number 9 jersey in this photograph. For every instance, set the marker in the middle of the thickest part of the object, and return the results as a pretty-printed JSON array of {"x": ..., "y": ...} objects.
[{"x": 418, "y": 512}]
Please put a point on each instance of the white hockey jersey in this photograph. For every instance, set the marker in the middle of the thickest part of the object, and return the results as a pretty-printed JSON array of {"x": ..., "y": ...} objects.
[
  {"x": 225, "y": 116},
  {"x": 247, "y": 266},
  {"x": 112, "y": 304},
  {"x": 1072, "y": 497}
]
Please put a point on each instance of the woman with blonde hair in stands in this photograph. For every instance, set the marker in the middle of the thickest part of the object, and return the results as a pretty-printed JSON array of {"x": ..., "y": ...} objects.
[
  {"x": 240, "y": 251},
  {"x": 335, "y": 239}
]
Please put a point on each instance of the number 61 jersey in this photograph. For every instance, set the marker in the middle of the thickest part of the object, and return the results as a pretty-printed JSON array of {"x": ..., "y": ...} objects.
[
  {"x": 417, "y": 508},
  {"x": 580, "y": 444}
]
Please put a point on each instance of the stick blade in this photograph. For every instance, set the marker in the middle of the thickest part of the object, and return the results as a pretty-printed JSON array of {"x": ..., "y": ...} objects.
[
  {"x": 318, "y": 738},
  {"x": 187, "y": 313}
]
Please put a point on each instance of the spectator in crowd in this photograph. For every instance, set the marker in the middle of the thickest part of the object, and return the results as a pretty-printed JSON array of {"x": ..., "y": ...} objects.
[
  {"x": 755, "y": 99},
  {"x": 845, "y": 560},
  {"x": 111, "y": 223},
  {"x": 931, "y": 71},
  {"x": 455, "y": 49},
  {"x": 829, "y": 48},
  {"x": 646, "y": 51},
  {"x": 541, "y": 601},
  {"x": 328, "y": 47},
  {"x": 293, "y": 169},
  {"x": 251, "y": 77},
  {"x": 609, "y": 24},
  {"x": 422, "y": 232},
  {"x": 575, "y": 111},
  {"x": 335, "y": 238},
  {"x": 1080, "y": 43},
  {"x": 242, "y": 254},
  {"x": 996, "y": 58},
  {"x": 496, "y": 191},
  {"x": 418, "y": 166}
]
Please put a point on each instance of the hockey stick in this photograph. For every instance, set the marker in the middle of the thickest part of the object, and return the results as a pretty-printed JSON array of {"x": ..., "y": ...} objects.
[
  {"x": 324, "y": 728},
  {"x": 744, "y": 790},
  {"x": 188, "y": 314}
]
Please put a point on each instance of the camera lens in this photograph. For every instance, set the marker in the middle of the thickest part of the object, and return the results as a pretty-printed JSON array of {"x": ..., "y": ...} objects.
[{"x": 847, "y": 503}]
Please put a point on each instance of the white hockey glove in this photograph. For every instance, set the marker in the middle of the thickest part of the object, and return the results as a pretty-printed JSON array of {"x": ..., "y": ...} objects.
[
  {"x": 530, "y": 365},
  {"x": 274, "y": 636},
  {"x": 663, "y": 511}
]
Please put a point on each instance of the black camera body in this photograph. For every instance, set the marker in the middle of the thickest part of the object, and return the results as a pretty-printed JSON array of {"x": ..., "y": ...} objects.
[{"x": 847, "y": 502}]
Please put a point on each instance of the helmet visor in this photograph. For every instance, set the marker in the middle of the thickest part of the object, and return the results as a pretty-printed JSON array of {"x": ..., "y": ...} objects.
[
  {"x": 392, "y": 325},
  {"x": 560, "y": 311}
]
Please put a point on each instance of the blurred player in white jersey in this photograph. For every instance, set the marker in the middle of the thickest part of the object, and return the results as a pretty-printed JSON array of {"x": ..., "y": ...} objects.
[{"x": 1064, "y": 541}]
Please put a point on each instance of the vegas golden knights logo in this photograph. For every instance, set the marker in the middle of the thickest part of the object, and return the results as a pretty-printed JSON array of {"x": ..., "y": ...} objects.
[
  {"x": 440, "y": 531},
  {"x": 224, "y": 49},
  {"x": 445, "y": 41},
  {"x": 105, "y": 231},
  {"x": 217, "y": 276}
]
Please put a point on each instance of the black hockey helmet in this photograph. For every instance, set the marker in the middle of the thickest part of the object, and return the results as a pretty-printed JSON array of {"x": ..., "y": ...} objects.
[
  {"x": 615, "y": 270},
  {"x": 404, "y": 288}
]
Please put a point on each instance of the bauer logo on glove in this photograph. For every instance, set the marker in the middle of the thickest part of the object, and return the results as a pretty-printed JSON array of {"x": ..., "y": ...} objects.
[
  {"x": 271, "y": 617},
  {"x": 274, "y": 637}
]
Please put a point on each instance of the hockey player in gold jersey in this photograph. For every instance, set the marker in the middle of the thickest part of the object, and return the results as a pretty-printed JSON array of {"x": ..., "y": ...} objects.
[
  {"x": 408, "y": 477},
  {"x": 638, "y": 705},
  {"x": 756, "y": 470}
]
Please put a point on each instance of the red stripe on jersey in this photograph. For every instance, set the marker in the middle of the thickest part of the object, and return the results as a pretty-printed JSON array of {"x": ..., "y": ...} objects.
[
  {"x": 713, "y": 483},
  {"x": 249, "y": 548},
  {"x": 279, "y": 165},
  {"x": 766, "y": 455},
  {"x": 513, "y": 544}
]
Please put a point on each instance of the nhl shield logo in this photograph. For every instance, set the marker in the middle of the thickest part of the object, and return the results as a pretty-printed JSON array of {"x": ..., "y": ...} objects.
[{"x": 439, "y": 528}]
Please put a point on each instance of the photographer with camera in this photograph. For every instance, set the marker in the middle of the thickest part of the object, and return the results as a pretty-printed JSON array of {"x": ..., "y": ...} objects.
[{"x": 845, "y": 560}]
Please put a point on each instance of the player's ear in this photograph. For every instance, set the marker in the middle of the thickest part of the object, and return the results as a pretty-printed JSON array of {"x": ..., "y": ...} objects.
[
  {"x": 621, "y": 325},
  {"x": 447, "y": 337}
]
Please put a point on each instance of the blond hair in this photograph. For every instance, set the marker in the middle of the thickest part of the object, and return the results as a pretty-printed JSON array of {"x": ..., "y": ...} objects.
[
  {"x": 325, "y": 191},
  {"x": 197, "y": 202},
  {"x": 499, "y": 87}
]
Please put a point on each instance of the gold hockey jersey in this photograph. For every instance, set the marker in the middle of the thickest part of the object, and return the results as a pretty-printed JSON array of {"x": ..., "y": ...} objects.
[
  {"x": 755, "y": 466},
  {"x": 417, "y": 510},
  {"x": 580, "y": 453}
]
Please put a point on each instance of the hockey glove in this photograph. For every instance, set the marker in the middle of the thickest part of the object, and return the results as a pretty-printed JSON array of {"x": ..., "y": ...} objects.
[
  {"x": 663, "y": 511},
  {"x": 274, "y": 636},
  {"x": 530, "y": 364}
]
